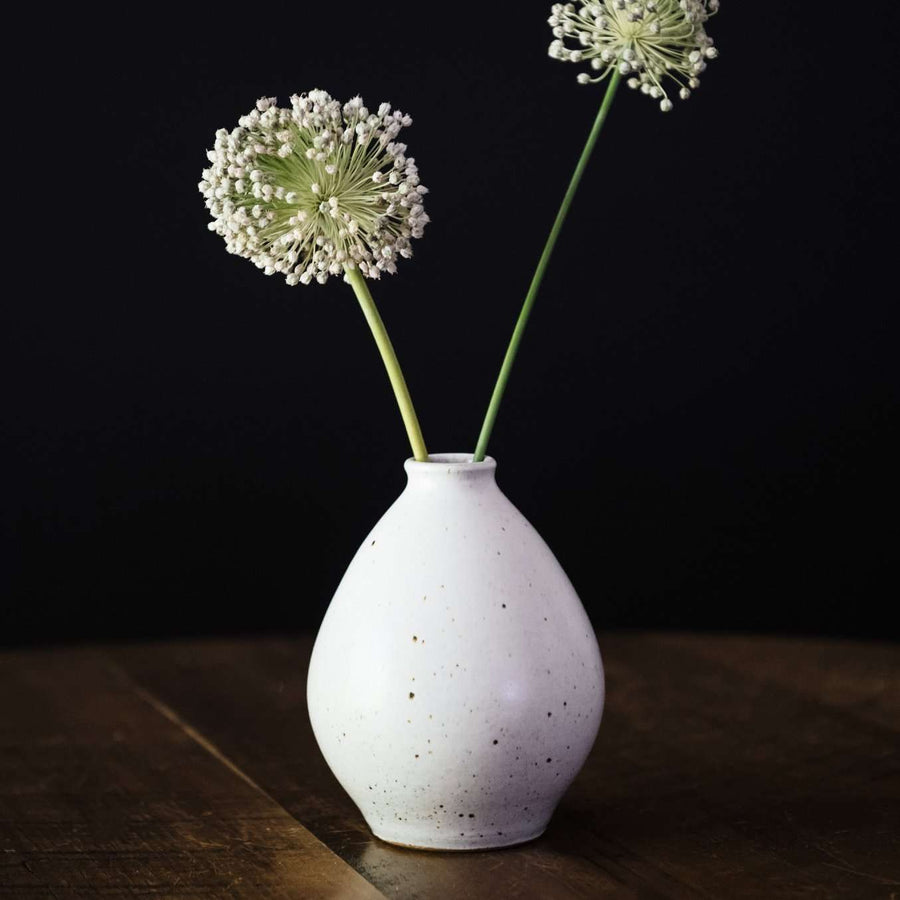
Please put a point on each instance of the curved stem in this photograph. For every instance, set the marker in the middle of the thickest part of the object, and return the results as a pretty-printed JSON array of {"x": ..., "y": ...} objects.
[
  {"x": 386, "y": 349},
  {"x": 500, "y": 387}
]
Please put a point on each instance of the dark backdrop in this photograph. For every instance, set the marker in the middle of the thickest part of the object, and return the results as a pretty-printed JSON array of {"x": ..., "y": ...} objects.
[{"x": 701, "y": 420}]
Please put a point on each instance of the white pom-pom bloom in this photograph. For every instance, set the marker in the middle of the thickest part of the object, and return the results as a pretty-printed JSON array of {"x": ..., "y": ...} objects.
[
  {"x": 311, "y": 190},
  {"x": 646, "y": 39}
]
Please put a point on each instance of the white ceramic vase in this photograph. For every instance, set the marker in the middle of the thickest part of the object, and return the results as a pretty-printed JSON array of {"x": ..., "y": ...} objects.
[{"x": 455, "y": 687}]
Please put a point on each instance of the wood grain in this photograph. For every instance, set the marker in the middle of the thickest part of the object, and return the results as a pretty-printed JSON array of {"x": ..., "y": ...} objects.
[
  {"x": 725, "y": 768},
  {"x": 104, "y": 793}
]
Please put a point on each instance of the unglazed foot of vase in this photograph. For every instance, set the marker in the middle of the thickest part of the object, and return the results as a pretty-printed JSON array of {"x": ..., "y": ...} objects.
[{"x": 458, "y": 843}]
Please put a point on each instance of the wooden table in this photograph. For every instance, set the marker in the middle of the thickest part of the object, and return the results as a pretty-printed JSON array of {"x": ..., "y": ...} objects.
[{"x": 726, "y": 767}]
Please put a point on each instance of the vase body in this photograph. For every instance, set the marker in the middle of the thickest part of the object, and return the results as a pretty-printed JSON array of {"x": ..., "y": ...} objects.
[{"x": 455, "y": 687}]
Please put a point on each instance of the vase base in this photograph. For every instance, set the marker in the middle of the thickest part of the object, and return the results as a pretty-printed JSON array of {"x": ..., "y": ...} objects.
[{"x": 464, "y": 845}]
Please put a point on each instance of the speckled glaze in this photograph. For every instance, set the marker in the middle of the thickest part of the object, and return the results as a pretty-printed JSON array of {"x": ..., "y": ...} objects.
[{"x": 455, "y": 687}]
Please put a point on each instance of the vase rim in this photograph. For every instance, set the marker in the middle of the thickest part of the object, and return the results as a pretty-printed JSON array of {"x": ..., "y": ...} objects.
[{"x": 449, "y": 463}]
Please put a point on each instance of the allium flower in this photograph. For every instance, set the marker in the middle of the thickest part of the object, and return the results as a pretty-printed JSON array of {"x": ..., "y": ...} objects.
[
  {"x": 311, "y": 190},
  {"x": 647, "y": 39}
]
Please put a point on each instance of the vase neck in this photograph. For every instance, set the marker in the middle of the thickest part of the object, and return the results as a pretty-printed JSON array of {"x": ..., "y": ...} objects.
[{"x": 450, "y": 469}]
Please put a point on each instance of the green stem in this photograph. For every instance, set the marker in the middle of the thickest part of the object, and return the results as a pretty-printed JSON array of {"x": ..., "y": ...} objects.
[
  {"x": 386, "y": 349},
  {"x": 500, "y": 387}
]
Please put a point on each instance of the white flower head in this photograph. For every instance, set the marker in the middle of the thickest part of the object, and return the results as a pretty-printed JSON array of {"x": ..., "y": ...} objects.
[
  {"x": 310, "y": 190},
  {"x": 649, "y": 40}
]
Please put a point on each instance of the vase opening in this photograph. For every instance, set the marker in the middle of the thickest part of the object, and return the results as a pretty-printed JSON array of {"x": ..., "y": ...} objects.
[
  {"x": 463, "y": 460},
  {"x": 458, "y": 467}
]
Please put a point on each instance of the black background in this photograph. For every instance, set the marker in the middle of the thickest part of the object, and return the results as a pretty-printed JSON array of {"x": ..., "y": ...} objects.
[{"x": 701, "y": 423}]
